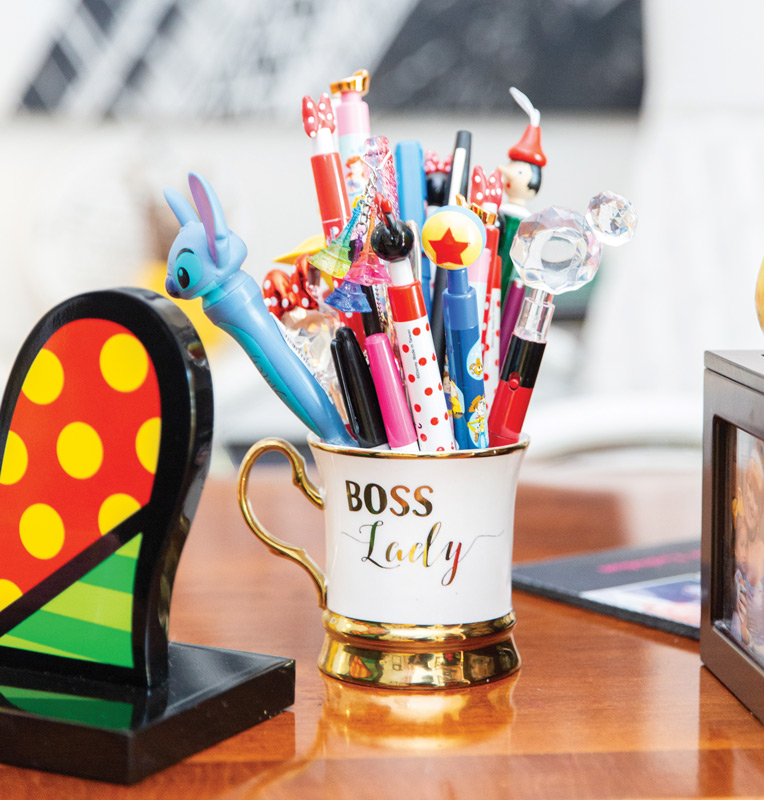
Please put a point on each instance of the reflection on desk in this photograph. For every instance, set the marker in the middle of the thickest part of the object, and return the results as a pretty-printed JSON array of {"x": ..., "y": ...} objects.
[{"x": 601, "y": 707}]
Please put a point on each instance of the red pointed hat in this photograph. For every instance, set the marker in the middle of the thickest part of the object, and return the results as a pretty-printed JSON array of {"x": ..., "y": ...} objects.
[{"x": 529, "y": 147}]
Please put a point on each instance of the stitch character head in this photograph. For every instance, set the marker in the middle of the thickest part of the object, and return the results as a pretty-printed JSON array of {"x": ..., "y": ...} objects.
[{"x": 205, "y": 253}]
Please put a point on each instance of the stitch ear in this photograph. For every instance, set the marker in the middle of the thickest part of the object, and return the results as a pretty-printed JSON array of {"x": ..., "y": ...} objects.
[
  {"x": 211, "y": 215},
  {"x": 182, "y": 209}
]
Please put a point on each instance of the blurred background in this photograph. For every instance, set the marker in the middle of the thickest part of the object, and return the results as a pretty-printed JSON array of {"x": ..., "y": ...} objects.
[{"x": 105, "y": 102}]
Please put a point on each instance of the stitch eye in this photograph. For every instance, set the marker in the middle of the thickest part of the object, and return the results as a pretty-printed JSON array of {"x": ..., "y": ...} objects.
[{"x": 188, "y": 269}]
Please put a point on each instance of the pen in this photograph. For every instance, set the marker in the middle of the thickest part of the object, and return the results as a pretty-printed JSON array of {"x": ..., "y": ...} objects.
[
  {"x": 457, "y": 182},
  {"x": 509, "y": 314},
  {"x": 522, "y": 180},
  {"x": 396, "y": 416},
  {"x": 412, "y": 196},
  {"x": 205, "y": 261},
  {"x": 555, "y": 250},
  {"x": 454, "y": 237},
  {"x": 319, "y": 123},
  {"x": 357, "y": 387},
  {"x": 393, "y": 240},
  {"x": 353, "y": 129},
  {"x": 520, "y": 368},
  {"x": 485, "y": 191}
]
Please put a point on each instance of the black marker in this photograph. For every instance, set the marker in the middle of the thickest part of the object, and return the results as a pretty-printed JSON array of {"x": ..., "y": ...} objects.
[{"x": 357, "y": 386}]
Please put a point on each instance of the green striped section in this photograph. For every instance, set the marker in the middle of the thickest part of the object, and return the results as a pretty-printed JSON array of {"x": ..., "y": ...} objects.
[
  {"x": 88, "y": 710},
  {"x": 90, "y": 620}
]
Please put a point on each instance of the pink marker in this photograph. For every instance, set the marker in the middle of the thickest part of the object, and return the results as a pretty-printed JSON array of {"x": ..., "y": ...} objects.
[
  {"x": 353, "y": 129},
  {"x": 401, "y": 434}
]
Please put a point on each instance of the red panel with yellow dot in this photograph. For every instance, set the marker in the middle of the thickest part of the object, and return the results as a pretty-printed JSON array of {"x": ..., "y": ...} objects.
[{"x": 81, "y": 451}]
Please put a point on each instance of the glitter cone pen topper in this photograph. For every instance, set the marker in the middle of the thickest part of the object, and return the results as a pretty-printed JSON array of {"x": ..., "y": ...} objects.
[{"x": 556, "y": 250}]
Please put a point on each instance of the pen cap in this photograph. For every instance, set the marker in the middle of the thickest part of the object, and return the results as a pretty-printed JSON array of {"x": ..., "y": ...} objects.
[
  {"x": 535, "y": 316},
  {"x": 453, "y": 237},
  {"x": 392, "y": 240},
  {"x": 370, "y": 319},
  {"x": 357, "y": 387},
  {"x": 412, "y": 186},
  {"x": 458, "y": 178}
]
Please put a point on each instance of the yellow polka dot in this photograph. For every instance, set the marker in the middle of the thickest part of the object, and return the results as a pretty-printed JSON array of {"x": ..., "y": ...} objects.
[
  {"x": 124, "y": 362},
  {"x": 42, "y": 531},
  {"x": 115, "y": 509},
  {"x": 79, "y": 450},
  {"x": 8, "y": 592},
  {"x": 45, "y": 379},
  {"x": 147, "y": 443},
  {"x": 15, "y": 460}
]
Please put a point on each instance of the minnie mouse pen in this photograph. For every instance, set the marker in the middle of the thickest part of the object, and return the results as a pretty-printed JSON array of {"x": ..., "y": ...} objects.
[
  {"x": 392, "y": 241},
  {"x": 333, "y": 205}
]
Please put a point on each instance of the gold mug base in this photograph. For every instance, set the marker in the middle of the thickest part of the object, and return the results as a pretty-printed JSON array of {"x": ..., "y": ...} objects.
[{"x": 422, "y": 657}]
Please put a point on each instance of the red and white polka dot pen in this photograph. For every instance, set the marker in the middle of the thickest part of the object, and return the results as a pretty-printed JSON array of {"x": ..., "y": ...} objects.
[{"x": 392, "y": 241}]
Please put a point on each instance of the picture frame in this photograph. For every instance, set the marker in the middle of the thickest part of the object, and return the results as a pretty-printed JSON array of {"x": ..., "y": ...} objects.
[{"x": 732, "y": 542}]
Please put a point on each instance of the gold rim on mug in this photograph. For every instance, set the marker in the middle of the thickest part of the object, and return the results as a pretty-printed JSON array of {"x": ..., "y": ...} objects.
[{"x": 360, "y": 452}]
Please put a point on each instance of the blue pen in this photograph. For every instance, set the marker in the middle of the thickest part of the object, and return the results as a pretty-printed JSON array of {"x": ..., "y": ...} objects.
[
  {"x": 456, "y": 184},
  {"x": 205, "y": 261},
  {"x": 412, "y": 197},
  {"x": 454, "y": 237}
]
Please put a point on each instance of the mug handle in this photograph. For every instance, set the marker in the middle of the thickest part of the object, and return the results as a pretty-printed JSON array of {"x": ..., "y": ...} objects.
[{"x": 299, "y": 479}]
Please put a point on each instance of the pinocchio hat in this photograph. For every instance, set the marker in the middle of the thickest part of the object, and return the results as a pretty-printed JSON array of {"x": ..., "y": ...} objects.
[{"x": 529, "y": 147}]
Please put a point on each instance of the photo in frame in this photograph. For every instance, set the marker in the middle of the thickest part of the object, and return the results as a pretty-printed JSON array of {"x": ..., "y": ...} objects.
[{"x": 732, "y": 548}]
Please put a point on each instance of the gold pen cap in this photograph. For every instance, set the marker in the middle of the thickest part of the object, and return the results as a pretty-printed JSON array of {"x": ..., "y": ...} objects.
[
  {"x": 486, "y": 217},
  {"x": 357, "y": 82}
]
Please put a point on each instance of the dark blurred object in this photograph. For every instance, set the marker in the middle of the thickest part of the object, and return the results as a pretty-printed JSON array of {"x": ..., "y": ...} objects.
[{"x": 565, "y": 54}]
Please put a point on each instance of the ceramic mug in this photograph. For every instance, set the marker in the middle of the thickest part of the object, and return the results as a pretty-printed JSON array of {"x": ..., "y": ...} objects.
[{"x": 418, "y": 560}]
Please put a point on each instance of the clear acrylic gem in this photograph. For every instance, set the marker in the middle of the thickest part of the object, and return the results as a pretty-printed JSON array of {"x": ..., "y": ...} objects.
[
  {"x": 555, "y": 250},
  {"x": 613, "y": 218}
]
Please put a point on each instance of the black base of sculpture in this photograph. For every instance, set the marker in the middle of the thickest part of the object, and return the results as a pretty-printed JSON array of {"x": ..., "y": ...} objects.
[{"x": 120, "y": 734}]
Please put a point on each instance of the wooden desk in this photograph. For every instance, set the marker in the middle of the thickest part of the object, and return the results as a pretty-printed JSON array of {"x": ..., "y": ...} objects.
[{"x": 600, "y": 709}]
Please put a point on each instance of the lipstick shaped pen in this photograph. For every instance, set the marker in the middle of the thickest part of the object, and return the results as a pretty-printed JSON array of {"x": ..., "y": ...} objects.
[
  {"x": 454, "y": 237},
  {"x": 520, "y": 368},
  {"x": 401, "y": 434},
  {"x": 353, "y": 129},
  {"x": 392, "y": 241},
  {"x": 334, "y": 207},
  {"x": 412, "y": 196},
  {"x": 457, "y": 182},
  {"x": 357, "y": 388}
]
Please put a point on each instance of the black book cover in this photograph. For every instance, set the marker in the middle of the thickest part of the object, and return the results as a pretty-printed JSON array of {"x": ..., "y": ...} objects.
[{"x": 657, "y": 585}]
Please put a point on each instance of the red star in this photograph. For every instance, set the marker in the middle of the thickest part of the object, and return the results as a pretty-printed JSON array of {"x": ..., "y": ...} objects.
[{"x": 447, "y": 249}]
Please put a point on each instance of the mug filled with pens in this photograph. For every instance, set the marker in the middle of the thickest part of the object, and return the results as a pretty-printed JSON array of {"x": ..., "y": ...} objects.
[{"x": 436, "y": 299}]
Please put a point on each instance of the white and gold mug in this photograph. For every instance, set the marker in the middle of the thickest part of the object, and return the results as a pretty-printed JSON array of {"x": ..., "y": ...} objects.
[{"x": 417, "y": 589}]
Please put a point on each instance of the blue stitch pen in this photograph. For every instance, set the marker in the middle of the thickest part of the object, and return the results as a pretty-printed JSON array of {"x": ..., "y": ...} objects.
[{"x": 205, "y": 261}]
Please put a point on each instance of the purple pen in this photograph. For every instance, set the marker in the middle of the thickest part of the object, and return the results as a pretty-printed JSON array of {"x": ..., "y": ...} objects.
[{"x": 401, "y": 434}]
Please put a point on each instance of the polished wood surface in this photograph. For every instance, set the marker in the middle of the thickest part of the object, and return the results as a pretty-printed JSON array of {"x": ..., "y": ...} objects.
[{"x": 601, "y": 708}]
